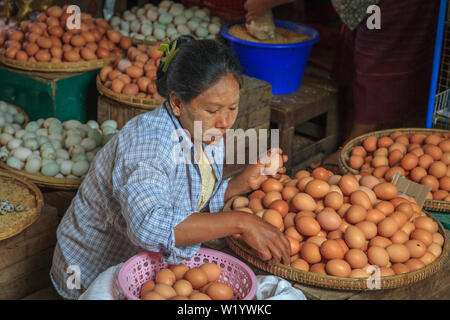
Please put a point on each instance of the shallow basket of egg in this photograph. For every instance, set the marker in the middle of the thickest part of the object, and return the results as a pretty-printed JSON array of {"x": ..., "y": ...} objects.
[
  {"x": 345, "y": 232},
  {"x": 421, "y": 155},
  {"x": 49, "y": 43},
  {"x": 208, "y": 275}
]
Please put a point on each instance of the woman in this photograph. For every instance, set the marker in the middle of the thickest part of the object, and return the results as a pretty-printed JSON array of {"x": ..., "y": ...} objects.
[{"x": 136, "y": 196}]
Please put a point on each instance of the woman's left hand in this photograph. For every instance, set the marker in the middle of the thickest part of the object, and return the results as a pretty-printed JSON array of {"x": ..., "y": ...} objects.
[{"x": 267, "y": 166}]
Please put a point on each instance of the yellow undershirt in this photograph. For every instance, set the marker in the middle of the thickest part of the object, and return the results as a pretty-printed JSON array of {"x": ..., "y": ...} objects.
[{"x": 208, "y": 179}]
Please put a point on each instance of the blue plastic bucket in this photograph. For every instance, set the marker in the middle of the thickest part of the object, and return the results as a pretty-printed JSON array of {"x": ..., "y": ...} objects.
[{"x": 282, "y": 65}]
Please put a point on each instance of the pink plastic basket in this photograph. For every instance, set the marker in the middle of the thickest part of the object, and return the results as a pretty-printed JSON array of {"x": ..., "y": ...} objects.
[{"x": 144, "y": 266}]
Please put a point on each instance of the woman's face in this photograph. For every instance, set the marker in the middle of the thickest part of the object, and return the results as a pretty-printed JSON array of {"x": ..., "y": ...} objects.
[{"x": 216, "y": 109}]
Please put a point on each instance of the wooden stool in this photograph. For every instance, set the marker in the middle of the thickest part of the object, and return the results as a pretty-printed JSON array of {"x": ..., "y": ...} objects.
[{"x": 293, "y": 113}]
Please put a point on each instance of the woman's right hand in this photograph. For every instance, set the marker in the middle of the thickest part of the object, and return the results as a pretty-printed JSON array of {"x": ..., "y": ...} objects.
[
  {"x": 270, "y": 244},
  {"x": 257, "y": 8}
]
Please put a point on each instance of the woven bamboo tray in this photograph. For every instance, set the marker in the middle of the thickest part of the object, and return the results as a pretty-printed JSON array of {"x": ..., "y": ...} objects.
[
  {"x": 144, "y": 42},
  {"x": 345, "y": 153},
  {"x": 57, "y": 66},
  {"x": 10, "y": 225},
  {"x": 148, "y": 104},
  {"x": 44, "y": 181},
  {"x": 331, "y": 282}
]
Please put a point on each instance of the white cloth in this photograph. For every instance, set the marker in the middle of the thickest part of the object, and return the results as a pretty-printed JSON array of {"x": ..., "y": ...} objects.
[{"x": 105, "y": 287}]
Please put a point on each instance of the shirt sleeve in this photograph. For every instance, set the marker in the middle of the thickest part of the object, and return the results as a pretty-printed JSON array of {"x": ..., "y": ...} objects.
[
  {"x": 217, "y": 200},
  {"x": 143, "y": 193}
]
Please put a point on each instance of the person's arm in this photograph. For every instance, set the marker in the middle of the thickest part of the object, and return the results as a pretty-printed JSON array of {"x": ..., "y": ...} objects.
[
  {"x": 270, "y": 244},
  {"x": 257, "y": 8}
]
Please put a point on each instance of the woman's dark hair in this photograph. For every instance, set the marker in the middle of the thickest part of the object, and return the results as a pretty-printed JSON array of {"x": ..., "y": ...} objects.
[{"x": 198, "y": 65}]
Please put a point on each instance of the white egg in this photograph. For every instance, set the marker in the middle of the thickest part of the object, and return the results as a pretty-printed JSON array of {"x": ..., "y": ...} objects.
[
  {"x": 79, "y": 168},
  {"x": 71, "y": 124},
  {"x": 41, "y": 140},
  {"x": 33, "y": 165},
  {"x": 152, "y": 15},
  {"x": 15, "y": 163},
  {"x": 55, "y": 127},
  {"x": 93, "y": 124},
  {"x": 14, "y": 143},
  {"x": 5, "y": 138},
  {"x": 49, "y": 154},
  {"x": 19, "y": 134},
  {"x": 29, "y": 135},
  {"x": 72, "y": 140},
  {"x": 49, "y": 121},
  {"x": 62, "y": 154},
  {"x": 66, "y": 167},
  {"x": 32, "y": 126},
  {"x": 88, "y": 144},
  {"x": 50, "y": 169},
  {"x": 79, "y": 157},
  {"x": 57, "y": 144},
  {"x": 40, "y": 122},
  {"x": 8, "y": 129},
  {"x": 42, "y": 132},
  {"x": 21, "y": 153},
  {"x": 31, "y": 144}
]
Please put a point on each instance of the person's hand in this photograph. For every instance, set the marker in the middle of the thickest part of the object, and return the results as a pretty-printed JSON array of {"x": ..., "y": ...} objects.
[
  {"x": 267, "y": 166},
  {"x": 257, "y": 8},
  {"x": 270, "y": 244}
]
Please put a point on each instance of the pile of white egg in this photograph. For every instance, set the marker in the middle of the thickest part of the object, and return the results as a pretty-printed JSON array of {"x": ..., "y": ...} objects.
[
  {"x": 167, "y": 20},
  {"x": 54, "y": 148}
]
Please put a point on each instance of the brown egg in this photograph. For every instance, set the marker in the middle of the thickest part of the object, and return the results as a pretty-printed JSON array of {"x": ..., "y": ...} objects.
[
  {"x": 359, "y": 151},
  {"x": 418, "y": 138},
  {"x": 355, "y": 162},
  {"x": 88, "y": 54},
  {"x": 272, "y": 184},
  {"x": 288, "y": 220},
  {"x": 300, "y": 264},
  {"x": 435, "y": 249},
  {"x": 72, "y": 56},
  {"x": 433, "y": 139},
  {"x": 438, "y": 239},
  {"x": 385, "y": 207},
  {"x": 67, "y": 47},
  {"x": 131, "y": 89},
  {"x": 331, "y": 249},
  {"x": 400, "y": 217},
  {"x": 348, "y": 184},
  {"x": 408, "y": 228},
  {"x": 387, "y": 227},
  {"x": 370, "y": 194},
  {"x": 354, "y": 237},
  {"x": 400, "y": 268},
  {"x": 356, "y": 258},
  {"x": 434, "y": 151},
  {"x": 378, "y": 256},
  {"x": 368, "y": 228},
  {"x": 152, "y": 295},
  {"x": 343, "y": 244},
  {"x": 389, "y": 175},
  {"x": 374, "y": 215},
  {"x": 417, "y": 174},
  {"x": 414, "y": 264},
  {"x": 165, "y": 290},
  {"x": 147, "y": 287},
  {"x": 384, "y": 142},
  {"x": 426, "y": 223},
  {"x": 409, "y": 161},
  {"x": 385, "y": 191},
  {"x": 303, "y": 201},
  {"x": 381, "y": 152},
  {"x": 395, "y": 157},
  {"x": 307, "y": 226},
  {"x": 361, "y": 198},
  {"x": 338, "y": 268},
  {"x": 31, "y": 49},
  {"x": 380, "y": 172},
  {"x": 380, "y": 161},
  {"x": 399, "y": 236},
  {"x": 212, "y": 271},
  {"x": 428, "y": 258},
  {"x": 255, "y": 205},
  {"x": 104, "y": 73},
  {"x": 55, "y": 11},
  {"x": 369, "y": 181},
  {"x": 270, "y": 197},
  {"x": 430, "y": 181},
  {"x": 317, "y": 240},
  {"x": 355, "y": 214},
  {"x": 310, "y": 252},
  {"x": 199, "y": 296},
  {"x": 317, "y": 188},
  {"x": 438, "y": 169},
  {"x": 370, "y": 144},
  {"x": 289, "y": 192},
  {"x": 117, "y": 85},
  {"x": 334, "y": 200},
  {"x": 343, "y": 209},
  {"x": 165, "y": 276},
  {"x": 102, "y": 53},
  {"x": 42, "y": 56},
  {"x": 21, "y": 55},
  {"x": 359, "y": 273},
  {"x": 301, "y": 184},
  {"x": 321, "y": 174},
  {"x": 397, "y": 146},
  {"x": 423, "y": 236},
  {"x": 197, "y": 277},
  {"x": 56, "y": 31},
  {"x": 179, "y": 270},
  {"x": 274, "y": 218},
  {"x": 220, "y": 291},
  {"x": 11, "y": 52},
  {"x": 379, "y": 241},
  {"x": 329, "y": 220},
  {"x": 398, "y": 253}
]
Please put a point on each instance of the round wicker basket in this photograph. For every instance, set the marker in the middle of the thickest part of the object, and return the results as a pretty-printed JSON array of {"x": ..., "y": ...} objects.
[
  {"x": 147, "y": 104},
  {"x": 44, "y": 181},
  {"x": 331, "y": 282},
  {"x": 345, "y": 153},
  {"x": 10, "y": 225},
  {"x": 57, "y": 66},
  {"x": 25, "y": 116},
  {"x": 144, "y": 42}
]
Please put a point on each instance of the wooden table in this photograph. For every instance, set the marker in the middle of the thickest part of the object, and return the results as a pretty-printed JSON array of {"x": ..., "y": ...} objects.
[{"x": 437, "y": 286}]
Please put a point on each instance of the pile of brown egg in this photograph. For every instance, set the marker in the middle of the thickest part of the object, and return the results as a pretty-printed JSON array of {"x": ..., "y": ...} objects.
[{"x": 342, "y": 225}]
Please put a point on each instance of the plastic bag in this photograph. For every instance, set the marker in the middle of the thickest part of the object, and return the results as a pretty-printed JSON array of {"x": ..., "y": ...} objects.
[{"x": 276, "y": 288}]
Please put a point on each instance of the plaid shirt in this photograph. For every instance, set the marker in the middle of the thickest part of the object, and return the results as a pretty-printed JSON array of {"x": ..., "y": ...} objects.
[
  {"x": 131, "y": 199},
  {"x": 352, "y": 12}
]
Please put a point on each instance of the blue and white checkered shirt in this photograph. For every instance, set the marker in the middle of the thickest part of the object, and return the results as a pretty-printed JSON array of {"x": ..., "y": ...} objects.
[{"x": 132, "y": 198}]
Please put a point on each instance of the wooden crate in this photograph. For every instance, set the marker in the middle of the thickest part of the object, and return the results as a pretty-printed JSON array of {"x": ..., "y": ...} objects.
[{"x": 26, "y": 259}]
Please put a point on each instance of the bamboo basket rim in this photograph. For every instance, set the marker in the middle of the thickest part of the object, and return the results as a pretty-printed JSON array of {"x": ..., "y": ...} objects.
[
  {"x": 339, "y": 283},
  {"x": 136, "y": 41},
  {"x": 72, "y": 67},
  {"x": 44, "y": 181},
  {"x": 344, "y": 155},
  {"x": 147, "y": 104},
  {"x": 16, "y": 229}
]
